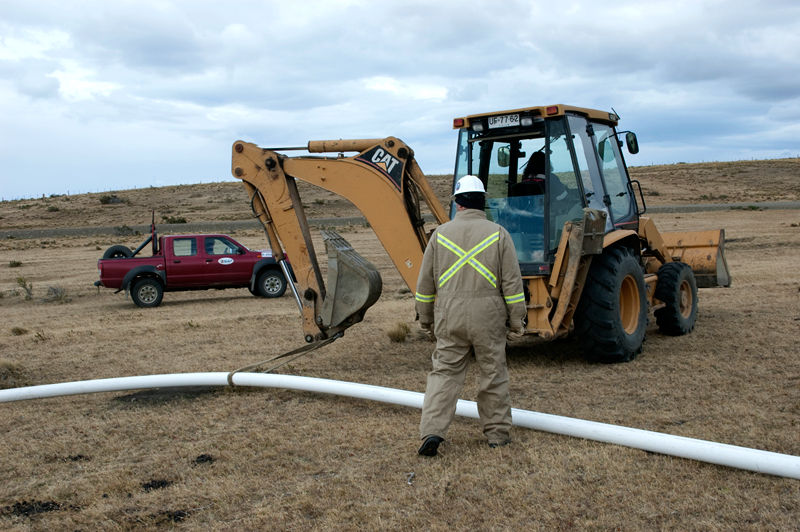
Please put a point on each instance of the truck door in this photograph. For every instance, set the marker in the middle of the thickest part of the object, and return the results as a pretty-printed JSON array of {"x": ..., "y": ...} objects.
[
  {"x": 224, "y": 265},
  {"x": 184, "y": 263}
]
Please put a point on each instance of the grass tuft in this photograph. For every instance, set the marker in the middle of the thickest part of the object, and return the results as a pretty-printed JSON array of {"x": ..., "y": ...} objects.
[
  {"x": 12, "y": 375},
  {"x": 399, "y": 332}
]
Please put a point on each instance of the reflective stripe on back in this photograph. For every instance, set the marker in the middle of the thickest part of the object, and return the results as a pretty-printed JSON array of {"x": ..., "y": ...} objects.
[{"x": 468, "y": 257}]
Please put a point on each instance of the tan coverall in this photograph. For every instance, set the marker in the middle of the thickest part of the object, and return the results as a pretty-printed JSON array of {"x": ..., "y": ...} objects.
[{"x": 470, "y": 283}]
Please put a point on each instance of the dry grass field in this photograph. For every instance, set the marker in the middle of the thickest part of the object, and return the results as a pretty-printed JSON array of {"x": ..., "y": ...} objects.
[{"x": 271, "y": 458}]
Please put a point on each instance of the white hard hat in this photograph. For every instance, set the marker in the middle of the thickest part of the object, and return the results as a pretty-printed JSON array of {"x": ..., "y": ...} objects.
[{"x": 469, "y": 183}]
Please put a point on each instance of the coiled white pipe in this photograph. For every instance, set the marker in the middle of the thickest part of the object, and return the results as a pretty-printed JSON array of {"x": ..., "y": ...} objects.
[{"x": 767, "y": 462}]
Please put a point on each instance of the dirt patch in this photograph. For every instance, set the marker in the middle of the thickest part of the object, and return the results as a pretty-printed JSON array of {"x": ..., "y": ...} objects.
[
  {"x": 30, "y": 508},
  {"x": 165, "y": 395},
  {"x": 170, "y": 516},
  {"x": 204, "y": 459},
  {"x": 159, "y": 484}
]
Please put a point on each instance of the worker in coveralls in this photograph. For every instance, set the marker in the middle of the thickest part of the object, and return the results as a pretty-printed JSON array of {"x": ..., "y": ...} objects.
[{"x": 469, "y": 286}]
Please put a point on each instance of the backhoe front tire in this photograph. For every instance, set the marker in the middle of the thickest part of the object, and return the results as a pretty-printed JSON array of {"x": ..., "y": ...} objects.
[
  {"x": 611, "y": 318},
  {"x": 677, "y": 289},
  {"x": 147, "y": 292}
]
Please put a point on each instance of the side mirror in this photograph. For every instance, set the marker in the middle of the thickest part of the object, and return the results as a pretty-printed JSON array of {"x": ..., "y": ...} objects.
[
  {"x": 504, "y": 156},
  {"x": 633, "y": 143}
]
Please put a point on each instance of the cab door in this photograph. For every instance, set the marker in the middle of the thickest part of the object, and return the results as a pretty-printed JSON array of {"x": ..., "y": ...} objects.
[
  {"x": 604, "y": 176},
  {"x": 615, "y": 176},
  {"x": 185, "y": 265},
  {"x": 225, "y": 264}
]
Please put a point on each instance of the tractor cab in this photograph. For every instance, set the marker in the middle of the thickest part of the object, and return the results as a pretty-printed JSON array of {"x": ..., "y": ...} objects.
[{"x": 541, "y": 167}]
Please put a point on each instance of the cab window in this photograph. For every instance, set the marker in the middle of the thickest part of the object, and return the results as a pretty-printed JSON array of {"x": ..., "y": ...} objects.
[
  {"x": 219, "y": 246},
  {"x": 184, "y": 247}
]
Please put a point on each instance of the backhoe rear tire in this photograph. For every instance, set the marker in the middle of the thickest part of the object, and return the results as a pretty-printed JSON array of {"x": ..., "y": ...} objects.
[
  {"x": 677, "y": 289},
  {"x": 611, "y": 318}
]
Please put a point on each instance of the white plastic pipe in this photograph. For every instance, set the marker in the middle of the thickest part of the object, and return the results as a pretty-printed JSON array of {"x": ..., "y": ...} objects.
[{"x": 767, "y": 462}]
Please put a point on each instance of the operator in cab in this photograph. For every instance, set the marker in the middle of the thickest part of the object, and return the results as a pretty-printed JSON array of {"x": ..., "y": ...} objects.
[
  {"x": 534, "y": 178},
  {"x": 469, "y": 286}
]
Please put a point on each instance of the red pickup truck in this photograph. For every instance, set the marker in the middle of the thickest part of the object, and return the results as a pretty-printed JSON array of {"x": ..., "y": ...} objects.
[{"x": 189, "y": 262}]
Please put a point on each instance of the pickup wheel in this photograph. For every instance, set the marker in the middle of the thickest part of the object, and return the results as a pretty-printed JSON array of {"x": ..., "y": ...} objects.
[
  {"x": 147, "y": 292},
  {"x": 118, "y": 252},
  {"x": 270, "y": 283}
]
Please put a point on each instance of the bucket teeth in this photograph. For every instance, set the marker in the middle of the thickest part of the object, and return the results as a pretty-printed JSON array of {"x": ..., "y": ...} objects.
[{"x": 354, "y": 284}]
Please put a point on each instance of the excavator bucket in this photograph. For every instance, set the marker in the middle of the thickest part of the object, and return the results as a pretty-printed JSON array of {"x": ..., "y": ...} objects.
[
  {"x": 704, "y": 251},
  {"x": 353, "y": 286}
]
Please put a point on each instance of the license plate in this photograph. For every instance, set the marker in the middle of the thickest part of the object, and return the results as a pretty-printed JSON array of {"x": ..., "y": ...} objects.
[{"x": 503, "y": 121}]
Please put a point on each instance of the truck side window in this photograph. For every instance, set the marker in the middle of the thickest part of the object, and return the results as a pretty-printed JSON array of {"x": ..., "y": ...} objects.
[
  {"x": 184, "y": 247},
  {"x": 219, "y": 246}
]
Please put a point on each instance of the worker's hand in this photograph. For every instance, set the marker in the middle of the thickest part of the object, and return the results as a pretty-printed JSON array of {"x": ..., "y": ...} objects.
[
  {"x": 515, "y": 333},
  {"x": 427, "y": 328}
]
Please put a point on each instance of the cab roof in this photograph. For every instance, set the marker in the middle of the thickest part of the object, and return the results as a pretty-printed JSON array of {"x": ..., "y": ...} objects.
[{"x": 543, "y": 111}]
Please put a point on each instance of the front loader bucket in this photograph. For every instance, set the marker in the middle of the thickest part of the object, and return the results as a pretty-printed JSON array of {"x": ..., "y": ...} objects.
[
  {"x": 704, "y": 251},
  {"x": 353, "y": 286}
]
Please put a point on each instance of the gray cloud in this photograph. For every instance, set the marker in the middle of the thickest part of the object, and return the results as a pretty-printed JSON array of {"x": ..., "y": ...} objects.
[{"x": 159, "y": 90}]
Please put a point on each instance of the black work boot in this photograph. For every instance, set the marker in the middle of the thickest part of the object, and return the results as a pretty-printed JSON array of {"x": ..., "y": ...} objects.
[{"x": 430, "y": 445}]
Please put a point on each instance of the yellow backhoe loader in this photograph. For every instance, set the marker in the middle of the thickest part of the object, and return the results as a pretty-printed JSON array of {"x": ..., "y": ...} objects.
[{"x": 555, "y": 178}]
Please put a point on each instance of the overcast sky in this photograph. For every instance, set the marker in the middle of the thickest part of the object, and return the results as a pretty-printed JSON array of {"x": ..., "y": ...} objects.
[{"x": 108, "y": 95}]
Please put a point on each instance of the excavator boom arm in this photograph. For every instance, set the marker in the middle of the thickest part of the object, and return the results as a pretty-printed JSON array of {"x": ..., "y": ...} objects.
[{"x": 383, "y": 181}]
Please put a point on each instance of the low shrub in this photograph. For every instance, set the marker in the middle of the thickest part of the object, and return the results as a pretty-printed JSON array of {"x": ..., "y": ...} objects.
[
  {"x": 110, "y": 199},
  {"x": 27, "y": 288},
  {"x": 56, "y": 294},
  {"x": 124, "y": 230}
]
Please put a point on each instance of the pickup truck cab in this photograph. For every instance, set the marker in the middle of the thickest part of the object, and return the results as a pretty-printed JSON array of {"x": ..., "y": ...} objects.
[{"x": 189, "y": 262}]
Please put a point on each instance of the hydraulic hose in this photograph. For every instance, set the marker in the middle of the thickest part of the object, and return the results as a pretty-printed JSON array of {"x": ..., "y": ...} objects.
[{"x": 766, "y": 462}]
